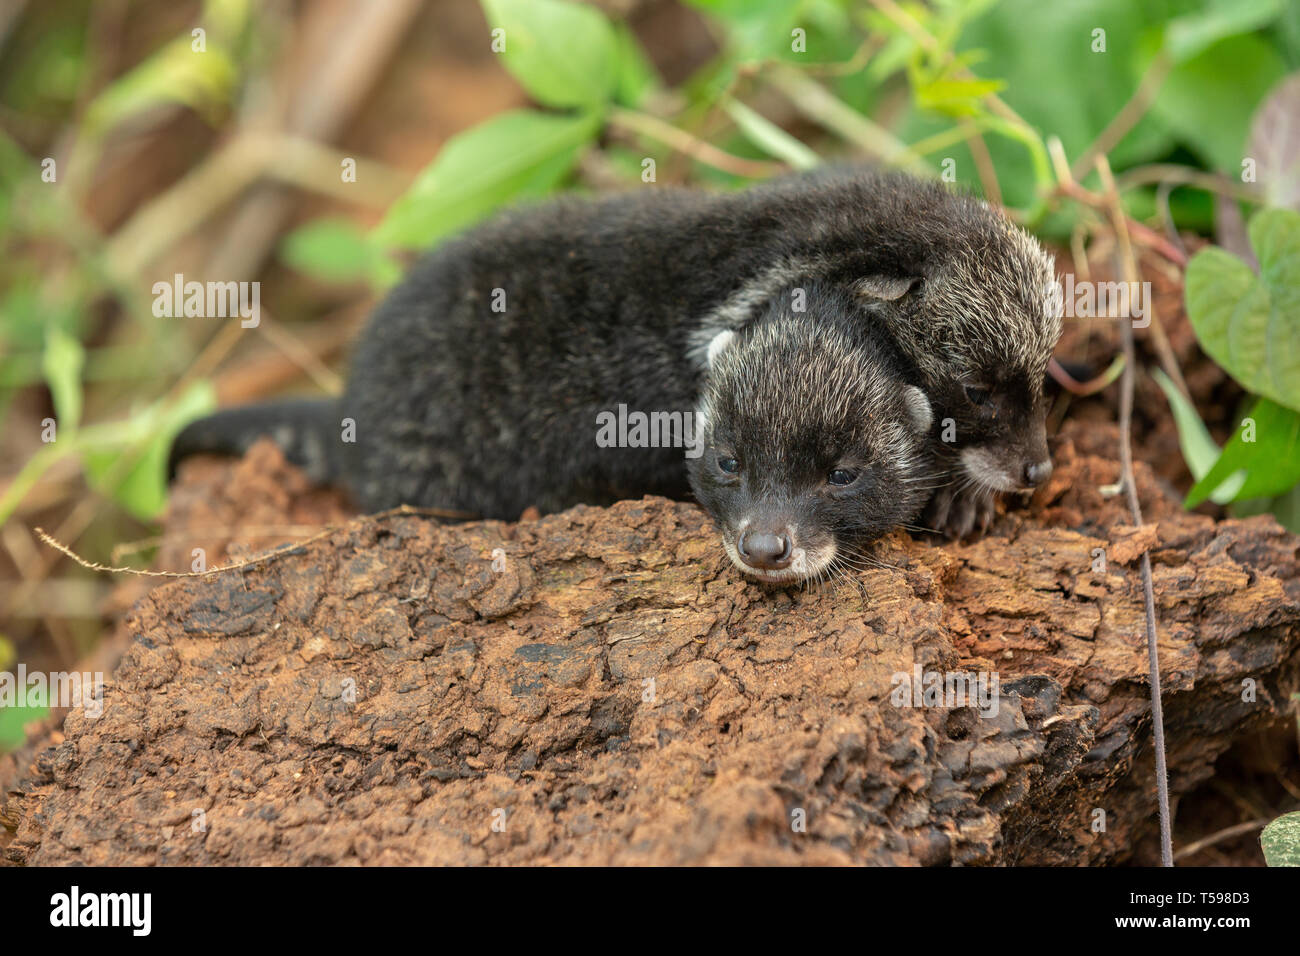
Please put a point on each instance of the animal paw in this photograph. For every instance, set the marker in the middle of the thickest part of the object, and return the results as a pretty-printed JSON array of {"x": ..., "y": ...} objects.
[{"x": 955, "y": 514}]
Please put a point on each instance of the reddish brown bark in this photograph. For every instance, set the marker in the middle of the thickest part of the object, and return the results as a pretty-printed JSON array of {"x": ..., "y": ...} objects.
[{"x": 611, "y": 690}]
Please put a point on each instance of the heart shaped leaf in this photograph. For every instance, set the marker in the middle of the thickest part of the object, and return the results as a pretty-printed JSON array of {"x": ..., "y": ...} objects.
[{"x": 1250, "y": 324}]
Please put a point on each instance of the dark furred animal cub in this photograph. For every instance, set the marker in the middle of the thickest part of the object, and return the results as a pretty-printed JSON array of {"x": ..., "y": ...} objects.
[
  {"x": 476, "y": 383},
  {"x": 959, "y": 293},
  {"x": 813, "y": 445}
]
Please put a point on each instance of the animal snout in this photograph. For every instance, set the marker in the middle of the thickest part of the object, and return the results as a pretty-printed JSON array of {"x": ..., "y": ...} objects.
[
  {"x": 765, "y": 550},
  {"x": 1038, "y": 472}
]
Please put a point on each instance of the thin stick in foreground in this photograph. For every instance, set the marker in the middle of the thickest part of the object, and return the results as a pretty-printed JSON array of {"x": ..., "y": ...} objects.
[{"x": 1129, "y": 265}]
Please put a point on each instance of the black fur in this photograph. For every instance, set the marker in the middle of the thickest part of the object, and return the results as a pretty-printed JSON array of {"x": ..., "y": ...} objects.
[
  {"x": 812, "y": 440},
  {"x": 460, "y": 406},
  {"x": 305, "y": 429}
]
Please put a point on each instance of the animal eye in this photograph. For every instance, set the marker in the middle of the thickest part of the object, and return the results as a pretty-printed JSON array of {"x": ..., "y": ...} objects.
[
  {"x": 978, "y": 394},
  {"x": 841, "y": 476},
  {"x": 729, "y": 465}
]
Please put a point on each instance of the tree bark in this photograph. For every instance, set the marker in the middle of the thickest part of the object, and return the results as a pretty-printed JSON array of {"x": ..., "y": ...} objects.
[{"x": 602, "y": 687}]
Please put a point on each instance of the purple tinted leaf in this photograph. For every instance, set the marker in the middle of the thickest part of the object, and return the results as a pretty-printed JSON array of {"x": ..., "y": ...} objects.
[{"x": 1274, "y": 144}]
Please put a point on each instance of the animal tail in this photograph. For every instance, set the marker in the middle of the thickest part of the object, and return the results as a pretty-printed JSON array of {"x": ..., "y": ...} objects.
[{"x": 307, "y": 431}]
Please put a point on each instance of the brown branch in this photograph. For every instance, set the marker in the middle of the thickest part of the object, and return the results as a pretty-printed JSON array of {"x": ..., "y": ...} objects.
[
  {"x": 861, "y": 57},
  {"x": 1227, "y": 833},
  {"x": 820, "y": 105},
  {"x": 683, "y": 142},
  {"x": 293, "y": 348},
  {"x": 75, "y": 524},
  {"x": 245, "y": 531},
  {"x": 1090, "y": 387},
  {"x": 1129, "y": 265},
  {"x": 979, "y": 150},
  {"x": 1144, "y": 234},
  {"x": 1187, "y": 176}
]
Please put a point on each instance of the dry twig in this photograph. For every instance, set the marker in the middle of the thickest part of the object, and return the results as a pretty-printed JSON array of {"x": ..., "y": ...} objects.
[
  {"x": 248, "y": 562},
  {"x": 1129, "y": 265}
]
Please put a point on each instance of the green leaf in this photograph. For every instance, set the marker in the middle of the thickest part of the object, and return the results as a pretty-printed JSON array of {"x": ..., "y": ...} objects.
[
  {"x": 142, "y": 487},
  {"x": 228, "y": 17},
  {"x": 1266, "y": 447},
  {"x": 1207, "y": 101},
  {"x": 1286, "y": 31},
  {"x": 1274, "y": 144},
  {"x": 1251, "y": 325},
  {"x": 1043, "y": 51},
  {"x": 637, "y": 76},
  {"x": 62, "y": 362},
  {"x": 1281, "y": 840},
  {"x": 385, "y": 272},
  {"x": 14, "y": 717},
  {"x": 332, "y": 250},
  {"x": 24, "y": 314},
  {"x": 1190, "y": 34},
  {"x": 517, "y": 154},
  {"x": 1199, "y": 450},
  {"x": 757, "y": 29},
  {"x": 563, "y": 54},
  {"x": 174, "y": 74},
  {"x": 955, "y": 96},
  {"x": 773, "y": 14}
]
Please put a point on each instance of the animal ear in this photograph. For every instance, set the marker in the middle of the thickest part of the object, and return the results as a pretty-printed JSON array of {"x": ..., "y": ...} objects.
[
  {"x": 886, "y": 288},
  {"x": 917, "y": 406},
  {"x": 720, "y": 343}
]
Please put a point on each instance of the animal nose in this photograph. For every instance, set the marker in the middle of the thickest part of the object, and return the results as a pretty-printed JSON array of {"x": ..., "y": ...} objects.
[
  {"x": 1038, "y": 472},
  {"x": 764, "y": 550}
]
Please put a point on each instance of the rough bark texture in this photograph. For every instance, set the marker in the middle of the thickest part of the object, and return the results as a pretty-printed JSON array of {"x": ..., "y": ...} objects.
[{"x": 611, "y": 690}]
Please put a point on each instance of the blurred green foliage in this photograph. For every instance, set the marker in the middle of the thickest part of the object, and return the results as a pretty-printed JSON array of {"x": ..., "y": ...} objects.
[
  {"x": 907, "y": 80},
  {"x": 13, "y": 718},
  {"x": 47, "y": 313},
  {"x": 1048, "y": 62},
  {"x": 520, "y": 154}
]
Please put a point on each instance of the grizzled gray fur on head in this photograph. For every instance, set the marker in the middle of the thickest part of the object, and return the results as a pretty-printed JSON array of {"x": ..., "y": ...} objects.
[
  {"x": 460, "y": 404},
  {"x": 980, "y": 326},
  {"x": 962, "y": 295},
  {"x": 813, "y": 445}
]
